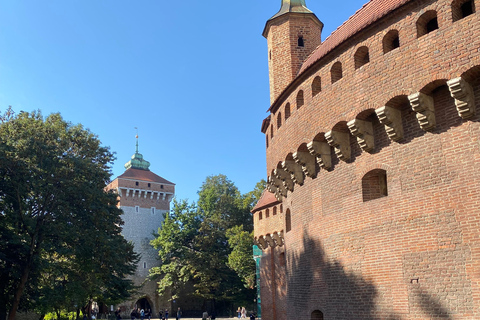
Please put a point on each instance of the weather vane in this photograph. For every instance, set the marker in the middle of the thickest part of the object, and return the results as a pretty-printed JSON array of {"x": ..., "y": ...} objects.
[{"x": 136, "y": 136}]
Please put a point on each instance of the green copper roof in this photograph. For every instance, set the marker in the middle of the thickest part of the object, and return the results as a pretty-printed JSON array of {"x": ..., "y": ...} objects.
[
  {"x": 297, "y": 6},
  {"x": 137, "y": 161}
]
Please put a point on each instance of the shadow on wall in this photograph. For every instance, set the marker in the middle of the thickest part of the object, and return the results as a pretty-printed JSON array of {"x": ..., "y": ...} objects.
[{"x": 321, "y": 284}]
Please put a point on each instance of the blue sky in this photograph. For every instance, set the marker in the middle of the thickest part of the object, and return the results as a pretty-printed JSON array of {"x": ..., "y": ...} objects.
[{"x": 191, "y": 75}]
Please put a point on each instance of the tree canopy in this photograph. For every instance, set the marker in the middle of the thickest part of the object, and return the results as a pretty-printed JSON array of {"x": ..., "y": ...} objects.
[
  {"x": 209, "y": 244},
  {"x": 60, "y": 241}
]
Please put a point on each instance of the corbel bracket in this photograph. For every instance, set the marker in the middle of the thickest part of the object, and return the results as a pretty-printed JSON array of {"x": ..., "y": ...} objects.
[
  {"x": 391, "y": 118},
  {"x": 363, "y": 130},
  {"x": 340, "y": 141},
  {"x": 464, "y": 97},
  {"x": 422, "y": 104},
  {"x": 322, "y": 152}
]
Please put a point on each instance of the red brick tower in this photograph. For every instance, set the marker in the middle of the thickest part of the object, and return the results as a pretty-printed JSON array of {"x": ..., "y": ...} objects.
[{"x": 292, "y": 34}]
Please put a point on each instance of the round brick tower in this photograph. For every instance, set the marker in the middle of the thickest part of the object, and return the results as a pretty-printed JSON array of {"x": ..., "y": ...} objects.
[
  {"x": 373, "y": 164},
  {"x": 144, "y": 197}
]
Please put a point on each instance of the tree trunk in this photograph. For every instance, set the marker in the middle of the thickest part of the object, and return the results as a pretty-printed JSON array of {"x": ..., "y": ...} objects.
[
  {"x": 34, "y": 244},
  {"x": 19, "y": 291},
  {"x": 3, "y": 310}
]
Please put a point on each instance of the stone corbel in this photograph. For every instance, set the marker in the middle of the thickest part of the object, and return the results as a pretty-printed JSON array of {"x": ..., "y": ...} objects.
[
  {"x": 422, "y": 104},
  {"x": 279, "y": 184},
  {"x": 321, "y": 151},
  {"x": 391, "y": 118},
  {"x": 270, "y": 240},
  {"x": 307, "y": 161},
  {"x": 340, "y": 141},
  {"x": 295, "y": 171},
  {"x": 283, "y": 175},
  {"x": 273, "y": 189},
  {"x": 278, "y": 238},
  {"x": 262, "y": 243},
  {"x": 363, "y": 130},
  {"x": 462, "y": 92}
]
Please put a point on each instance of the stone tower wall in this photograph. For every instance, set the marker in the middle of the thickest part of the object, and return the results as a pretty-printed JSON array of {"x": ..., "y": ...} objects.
[{"x": 385, "y": 207}]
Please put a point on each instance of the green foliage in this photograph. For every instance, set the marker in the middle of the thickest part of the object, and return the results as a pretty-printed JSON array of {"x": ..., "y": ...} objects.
[
  {"x": 240, "y": 259},
  {"x": 60, "y": 241},
  {"x": 195, "y": 242}
]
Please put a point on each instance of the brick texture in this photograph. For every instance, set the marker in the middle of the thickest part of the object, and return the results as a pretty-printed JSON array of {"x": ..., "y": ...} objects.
[{"x": 413, "y": 253}]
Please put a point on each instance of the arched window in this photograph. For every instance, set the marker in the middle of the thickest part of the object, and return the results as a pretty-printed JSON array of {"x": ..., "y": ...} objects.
[
  {"x": 274, "y": 210},
  {"x": 391, "y": 41},
  {"x": 300, "y": 100},
  {"x": 336, "y": 71},
  {"x": 267, "y": 213},
  {"x": 361, "y": 57},
  {"x": 300, "y": 41},
  {"x": 260, "y": 217},
  {"x": 271, "y": 131},
  {"x": 287, "y": 111},
  {"x": 374, "y": 185},
  {"x": 288, "y": 221},
  {"x": 462, "y": 9},
  {"x": 316, "y": 86},
  {"x": 427, "y": 23},
  {"x": 266, "y": 140},
  {"x": 279, "y": 120},
  {"x": 316, "y": 315},
  {"x": 281, "y": 208}
]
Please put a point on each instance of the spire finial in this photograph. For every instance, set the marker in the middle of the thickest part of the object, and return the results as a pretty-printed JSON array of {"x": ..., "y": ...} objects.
[{"x": 136, "y": 145}]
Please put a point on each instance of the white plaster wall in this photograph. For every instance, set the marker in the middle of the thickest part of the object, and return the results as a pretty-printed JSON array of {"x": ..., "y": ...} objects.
[{"x": 139, "y": 228}]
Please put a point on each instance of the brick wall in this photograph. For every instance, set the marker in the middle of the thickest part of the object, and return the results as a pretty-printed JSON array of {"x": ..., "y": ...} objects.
[{"x": 414, "y": 253}]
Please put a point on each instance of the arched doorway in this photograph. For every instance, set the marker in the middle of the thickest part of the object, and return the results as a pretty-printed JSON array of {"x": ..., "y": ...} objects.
[{"x": 144, "y": 304}]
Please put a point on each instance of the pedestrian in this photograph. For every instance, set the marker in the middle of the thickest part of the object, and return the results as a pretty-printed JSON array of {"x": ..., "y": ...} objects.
[
  {"x": 142, "y": 314},
  {"x": 205, "y": 315},
  {"x": 179, "y": 313},
  {"x": 166, "y": 314},
  {"x": 133, "y": 314},
  {"x": 239, "y": 312},
  {"x": 160, "y": 314},
  {"x": 148, "y": 314},
  {"x": 244, "y": 313},
  {"x": 118, "y": 315},
  {"x": 252, "y": 316}
]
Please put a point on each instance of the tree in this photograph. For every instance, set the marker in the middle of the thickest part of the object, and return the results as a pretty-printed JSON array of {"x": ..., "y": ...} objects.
[
  {"x": 194, "y": 247},
  {"x": 240, "y": 259},
  {"x": 59, "y": 229}
]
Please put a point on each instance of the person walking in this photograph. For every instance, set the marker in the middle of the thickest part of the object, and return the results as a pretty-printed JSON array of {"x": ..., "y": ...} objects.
[
  {"x": 179, "y": 313},
  {"x": 166, "y": 314},
  {"x": 244, "y": 313},
  {"x": 205, "y": 315},
  {"x": 239, "y": 312}
]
